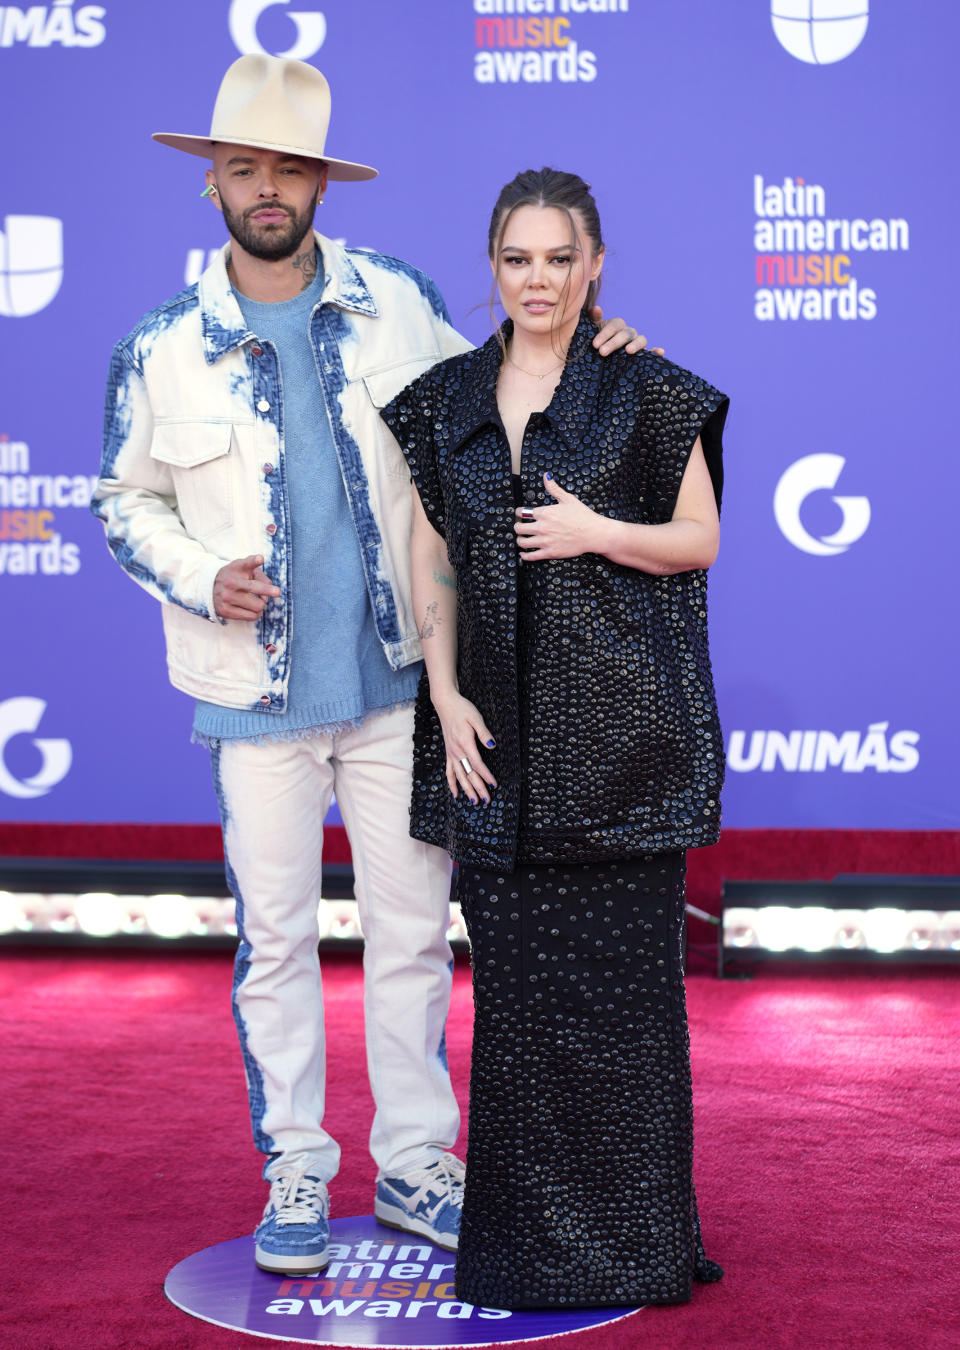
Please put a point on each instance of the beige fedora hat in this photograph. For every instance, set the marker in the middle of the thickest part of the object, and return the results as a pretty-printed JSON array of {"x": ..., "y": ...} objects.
[{"x": 272, "y": 103}]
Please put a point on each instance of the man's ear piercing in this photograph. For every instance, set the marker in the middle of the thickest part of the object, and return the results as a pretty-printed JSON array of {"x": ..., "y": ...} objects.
[{"x": 210, "y": 191}]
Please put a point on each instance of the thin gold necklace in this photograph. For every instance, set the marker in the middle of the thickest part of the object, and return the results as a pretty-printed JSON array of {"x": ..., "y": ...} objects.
[{"x": 532, "y": 373}]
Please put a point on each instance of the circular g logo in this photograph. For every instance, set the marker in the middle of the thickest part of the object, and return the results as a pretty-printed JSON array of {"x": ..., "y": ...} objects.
[
  {"x": 311, "y": 29},
  {"x": 18, "y": 717},
  {"x": 818, "y": 473}
]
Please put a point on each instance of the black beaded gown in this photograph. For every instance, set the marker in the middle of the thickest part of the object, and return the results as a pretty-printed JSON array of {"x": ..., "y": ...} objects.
[
  {"x": 595, "y": 682},
  {"x": 579, "y": 1164},
  {"x": 581, "y": 1121}
]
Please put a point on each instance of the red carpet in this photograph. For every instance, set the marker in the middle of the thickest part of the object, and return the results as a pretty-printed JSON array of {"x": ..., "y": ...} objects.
[{"x": 827, "y": 1119}]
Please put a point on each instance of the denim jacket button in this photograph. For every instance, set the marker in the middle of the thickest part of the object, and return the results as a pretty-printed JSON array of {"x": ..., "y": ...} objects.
[
  {"x": 270, "y": 648},
  {"x": 256, "y": 351},
  {"x": 264, "y": 698},
  {"x": 268, "y": 468},
  {"x": 263, "y": 406},
  {"x": 271, "y": 528}
]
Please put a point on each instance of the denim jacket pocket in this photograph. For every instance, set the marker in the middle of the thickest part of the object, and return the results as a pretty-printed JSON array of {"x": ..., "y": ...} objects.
[{"x": 199, "y": 457}]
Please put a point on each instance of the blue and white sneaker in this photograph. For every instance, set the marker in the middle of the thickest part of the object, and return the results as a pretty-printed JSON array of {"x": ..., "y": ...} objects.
[
  {"x": 428, "y": 1201},
  {"x": 293, "y": 1233}
]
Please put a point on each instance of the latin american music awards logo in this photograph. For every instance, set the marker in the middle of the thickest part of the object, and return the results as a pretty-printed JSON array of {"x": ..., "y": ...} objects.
[
  {"x": 807, "y": 256},
  {"x": 377, "y": 1290},
  {"x": 535, "y": 41},
  {"x": 31, "y": 542}
]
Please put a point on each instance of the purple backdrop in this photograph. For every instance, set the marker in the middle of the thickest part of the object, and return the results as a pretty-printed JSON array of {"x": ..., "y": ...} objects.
[{"x": 776, "y": 187}]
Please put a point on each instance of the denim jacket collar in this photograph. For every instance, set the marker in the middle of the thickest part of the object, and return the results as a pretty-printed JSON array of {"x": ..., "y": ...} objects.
[
  {"x": 224, "y": 329},
  {"x": 343, "y": 284},
  {"x": 572, "y": 417}
]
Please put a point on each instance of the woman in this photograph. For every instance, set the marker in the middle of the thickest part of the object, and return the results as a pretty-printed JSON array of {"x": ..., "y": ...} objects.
[{"x": 567, "y": 752}]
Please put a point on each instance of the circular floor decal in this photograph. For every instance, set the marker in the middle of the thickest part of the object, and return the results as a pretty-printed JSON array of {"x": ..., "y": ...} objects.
[{"x": 381, "y": 1288}]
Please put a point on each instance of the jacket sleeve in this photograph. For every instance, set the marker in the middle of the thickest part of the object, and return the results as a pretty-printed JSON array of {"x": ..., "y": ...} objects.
[
  {"x": 450, "y": 341},
  {"x": 136, "y": 500},
  {"x": 410, "y": 416},
  {"x": 676, "y": 408}
]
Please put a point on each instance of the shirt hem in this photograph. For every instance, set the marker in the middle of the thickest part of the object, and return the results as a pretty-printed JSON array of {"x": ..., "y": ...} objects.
[{"x": 309, "y": 732}]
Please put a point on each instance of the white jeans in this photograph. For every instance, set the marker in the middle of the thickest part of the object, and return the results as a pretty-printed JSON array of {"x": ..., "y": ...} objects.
[{"x": 273, "y": 801}]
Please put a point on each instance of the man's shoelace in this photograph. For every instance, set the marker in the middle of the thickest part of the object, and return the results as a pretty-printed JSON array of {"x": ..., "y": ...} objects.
[
  {"x": 441, "y": 1184},
  {"x": 297, "y": 1198}
]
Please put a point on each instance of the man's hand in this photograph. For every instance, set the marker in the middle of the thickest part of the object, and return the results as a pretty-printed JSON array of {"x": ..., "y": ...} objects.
[
  {"x": 616, "y": 333},
  {"x": 241, "y": 589}
]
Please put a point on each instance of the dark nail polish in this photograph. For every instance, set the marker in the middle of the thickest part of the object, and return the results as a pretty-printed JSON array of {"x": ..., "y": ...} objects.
[
  {"x": 491, "y": 742},
  {"x": 550, "y": 477}
]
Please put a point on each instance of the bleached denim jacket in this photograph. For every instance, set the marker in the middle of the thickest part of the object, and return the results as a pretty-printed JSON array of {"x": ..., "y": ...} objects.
[{"x": 193, "y": 470}]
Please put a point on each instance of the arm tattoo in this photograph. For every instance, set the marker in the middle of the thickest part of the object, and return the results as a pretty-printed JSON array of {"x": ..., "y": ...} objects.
[
  {"x": 430, "y": 621},
  {"x": 307, "y": 263},
  {"x": 444, "y": 579}
]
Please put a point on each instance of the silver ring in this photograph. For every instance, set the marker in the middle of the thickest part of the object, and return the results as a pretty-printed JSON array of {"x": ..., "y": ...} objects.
[{"x": 467, "y": 767}]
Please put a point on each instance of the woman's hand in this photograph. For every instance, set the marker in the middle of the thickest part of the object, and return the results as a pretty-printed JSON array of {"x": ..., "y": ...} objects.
[
  {"x": 564, "y": 530},
  {"x": 463, "y": 727}
]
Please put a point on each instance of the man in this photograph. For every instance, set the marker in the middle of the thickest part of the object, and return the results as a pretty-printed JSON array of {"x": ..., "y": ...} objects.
[{"x": 248, "y": 483}]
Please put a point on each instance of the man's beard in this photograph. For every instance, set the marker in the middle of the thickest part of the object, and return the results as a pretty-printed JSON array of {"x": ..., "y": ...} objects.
[{"x": 270, "y": 243}]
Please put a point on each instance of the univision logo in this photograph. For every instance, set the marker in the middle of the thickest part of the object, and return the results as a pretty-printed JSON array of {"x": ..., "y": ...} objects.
[
  {"x": 31, "y": 263},
  {"x": 820, "y": 32}
]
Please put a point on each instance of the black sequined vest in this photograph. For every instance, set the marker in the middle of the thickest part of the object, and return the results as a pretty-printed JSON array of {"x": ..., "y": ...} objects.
[{"x": 594, "y": 678}]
